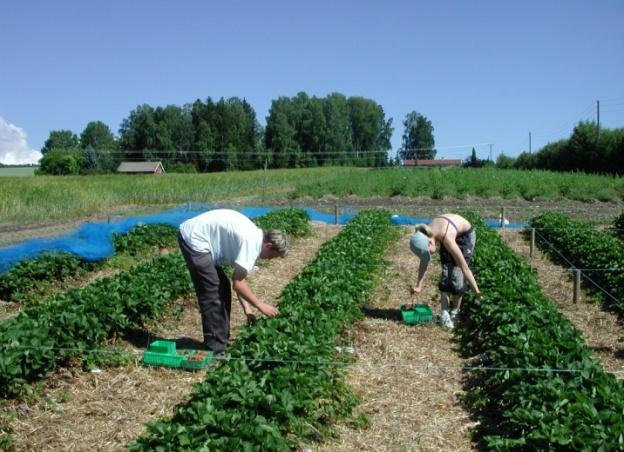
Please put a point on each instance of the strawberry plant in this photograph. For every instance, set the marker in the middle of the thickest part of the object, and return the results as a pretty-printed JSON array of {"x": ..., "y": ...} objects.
[
  {"x": 71, "y": 324},
  {"x": 584, "y": 247},
  {"x": 283, "y": 380},
  {"x": 293, "y": 221},
  {"x": 618, "y": 227},
  {"x": 540, "y": 388},
  {"x": 33, "y": 277},
  {"x": 144, "y": 237}
]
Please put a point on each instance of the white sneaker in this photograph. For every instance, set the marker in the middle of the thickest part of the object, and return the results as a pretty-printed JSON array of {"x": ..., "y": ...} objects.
[
  {"x": 454, "y": 315},
  {"x": 445, "y": 320}
]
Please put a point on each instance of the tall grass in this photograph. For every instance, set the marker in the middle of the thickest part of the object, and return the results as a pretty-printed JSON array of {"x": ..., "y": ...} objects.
[
  {"x": 459, "y": 183},
  {"x": 49, "y": 197}
]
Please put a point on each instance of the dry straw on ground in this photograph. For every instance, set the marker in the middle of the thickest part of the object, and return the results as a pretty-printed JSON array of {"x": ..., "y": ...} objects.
[
  {"x": 409, "y": 377},
  {"x": 104, "y": 411},
  {"x": 601, "y": 330}
]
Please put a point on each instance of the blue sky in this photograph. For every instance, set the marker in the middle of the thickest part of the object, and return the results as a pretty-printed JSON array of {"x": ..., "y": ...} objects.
[{"x": 483, "y": 72}]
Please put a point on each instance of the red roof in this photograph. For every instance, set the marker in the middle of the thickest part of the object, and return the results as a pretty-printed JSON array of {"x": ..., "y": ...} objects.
[{"x": 432, "y": 162}]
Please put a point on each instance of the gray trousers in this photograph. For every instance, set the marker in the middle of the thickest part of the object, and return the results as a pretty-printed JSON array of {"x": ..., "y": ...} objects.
[{"x": 214, "y": 296}]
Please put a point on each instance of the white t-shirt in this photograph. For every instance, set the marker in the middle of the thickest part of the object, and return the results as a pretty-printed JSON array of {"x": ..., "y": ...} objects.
[{"x": 230, "y": 236}]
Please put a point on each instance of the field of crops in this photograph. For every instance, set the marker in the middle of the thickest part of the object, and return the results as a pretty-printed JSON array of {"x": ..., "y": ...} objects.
[
  {"x": 526, "y": 368},
  {"x": 45, "y": 198}
]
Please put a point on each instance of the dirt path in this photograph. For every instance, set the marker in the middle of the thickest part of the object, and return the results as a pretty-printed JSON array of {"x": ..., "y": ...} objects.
[
  {"x": 600, "y": 329},
  {"x": 104, "y": 411},
  {"x": 409, "y": 377}
]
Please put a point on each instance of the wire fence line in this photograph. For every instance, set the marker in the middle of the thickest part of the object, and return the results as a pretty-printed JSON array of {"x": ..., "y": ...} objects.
[
  {"x": 583, "y": 275},
  {"x": 427, "y": 366}
]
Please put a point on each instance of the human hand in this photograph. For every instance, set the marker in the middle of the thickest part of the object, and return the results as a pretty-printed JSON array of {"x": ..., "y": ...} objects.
[
  {"x": 251, "y": 318},
  {"x": 415, "y": 290},
  {"x": 268, "y": 310},
  {"x": 478, "y": 294}
]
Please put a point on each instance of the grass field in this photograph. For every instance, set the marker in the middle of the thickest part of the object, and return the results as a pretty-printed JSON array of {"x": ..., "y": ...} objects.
[
  {"x": 17, "y": 171},
  {"x": 68, "y": 197}
]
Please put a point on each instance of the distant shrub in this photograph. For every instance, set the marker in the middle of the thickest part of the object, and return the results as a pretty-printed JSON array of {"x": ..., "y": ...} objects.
[
  {"x": 181, "y": 168},
  {"x": 61, "y": 163}
]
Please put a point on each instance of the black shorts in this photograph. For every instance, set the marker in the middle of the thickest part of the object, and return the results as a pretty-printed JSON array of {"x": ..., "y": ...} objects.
[{"x": 452, "y": 278}]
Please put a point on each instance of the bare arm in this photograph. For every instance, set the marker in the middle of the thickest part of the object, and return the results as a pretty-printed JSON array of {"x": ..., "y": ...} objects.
[
  {"x": 246, "y": 296},
  {"x": 249, "y": 313},
  {"x": 458, "y": 257}
]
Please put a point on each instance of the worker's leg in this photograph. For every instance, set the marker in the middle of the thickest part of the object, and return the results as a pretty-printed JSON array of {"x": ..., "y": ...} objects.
[
  {"x": 212, "y": 288},
  {"x": 456, "y": 302},
  {"x": 444, "y": 301}
]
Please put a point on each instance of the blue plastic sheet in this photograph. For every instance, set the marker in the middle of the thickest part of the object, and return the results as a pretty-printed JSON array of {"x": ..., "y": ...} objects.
[
  {"x": 398, "y": 220},
  {"x": 94, "y": 241}
]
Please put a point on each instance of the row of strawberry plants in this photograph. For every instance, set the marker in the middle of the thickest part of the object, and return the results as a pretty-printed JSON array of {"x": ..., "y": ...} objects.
[
  {"x": 37, "y": 339},
  {"x": 618, "y": 226},
  {"x": 540, "y": 387},
  {"x": 31, "y": 279},
  {"x": 585, "y": 248},
  {"x": 69, "y": 324},
  {"x": 282, "y": 381}
]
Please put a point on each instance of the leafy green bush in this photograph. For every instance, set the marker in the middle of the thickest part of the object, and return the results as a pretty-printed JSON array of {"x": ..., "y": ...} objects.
[{"x": 61, "y": 163}]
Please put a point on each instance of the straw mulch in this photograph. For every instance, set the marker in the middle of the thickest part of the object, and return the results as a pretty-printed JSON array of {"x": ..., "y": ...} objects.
[
  {"x": 409, "y": 377},
  {"x": 104, "y": 411},
  {"x": 601, "y": 330}
]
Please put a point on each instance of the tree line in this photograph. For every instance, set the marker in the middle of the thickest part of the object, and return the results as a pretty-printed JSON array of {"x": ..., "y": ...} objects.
[
  {"x": 589, "y": 148},
  {"x": 301, "y": 131}
]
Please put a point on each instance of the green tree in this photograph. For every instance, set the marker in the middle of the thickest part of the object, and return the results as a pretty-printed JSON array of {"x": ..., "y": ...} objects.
[
  {"x": 100, "y": 147},
  {"x": 174, "y": 133},
  {"x": 97, "y": 135},
  {"x": 418, "y": 141},
  {"x": 525, "y": 160},
  {"x": 61, "y": 163},
  {"x": 583, "y": 151},
  {"x": 504, "y": 162},
  {"x": 312, "y": 132},
  {"x": 162, "y": 133},
  {"x": 338, "y": 143},
  {"x": 280, "y": 136},
  {"x": 472, "y": 161},
  {"x": 137, "y": 133},
  {"x": 60, "y": 140},
  {"x": 370, "y": 132}
]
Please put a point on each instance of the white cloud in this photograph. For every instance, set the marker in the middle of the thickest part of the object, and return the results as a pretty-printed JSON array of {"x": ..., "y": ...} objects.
[{"x": 14, "y": 149}]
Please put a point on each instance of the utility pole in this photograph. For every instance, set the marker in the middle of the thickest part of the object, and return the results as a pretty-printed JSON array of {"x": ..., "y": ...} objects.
[
  {"x": 598, "y": 118},
  {"x": 529, "y": 142},
  {"x": 490, "y": 152}
]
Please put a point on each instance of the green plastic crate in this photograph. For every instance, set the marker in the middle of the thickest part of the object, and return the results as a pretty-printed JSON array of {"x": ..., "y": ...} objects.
[
  {"x": 418, "y": 313},
  {"x": 164, "y": 354},
  {"x": 166, "y": 347}
]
